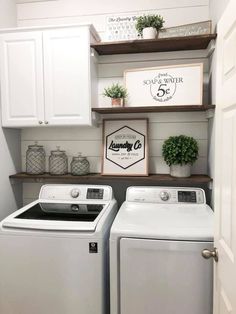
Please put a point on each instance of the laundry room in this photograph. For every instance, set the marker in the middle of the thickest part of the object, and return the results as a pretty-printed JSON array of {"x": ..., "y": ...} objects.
[{"x": 118, "y": 157}]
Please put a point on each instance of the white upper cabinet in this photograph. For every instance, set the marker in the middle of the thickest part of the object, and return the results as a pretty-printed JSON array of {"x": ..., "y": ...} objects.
[
  {"x": 47, "y": 77},
  {"x": 21, "y": 71}
]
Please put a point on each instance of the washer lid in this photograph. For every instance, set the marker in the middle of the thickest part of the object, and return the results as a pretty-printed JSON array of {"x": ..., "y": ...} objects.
[
  {"x": 164, "y": 221},
  {"x": 57, "y": 216}
]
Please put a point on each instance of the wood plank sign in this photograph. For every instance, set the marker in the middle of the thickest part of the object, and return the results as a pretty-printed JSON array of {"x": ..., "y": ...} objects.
[
  {"x": 201, "y": 28},
  {"x": 163, "y": 86},
  {"x": 125, "y": 151}
]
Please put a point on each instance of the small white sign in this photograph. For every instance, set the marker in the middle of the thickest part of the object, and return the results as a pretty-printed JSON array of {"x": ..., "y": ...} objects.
[
  {"x": 121, "y": 27},
  {"x": 165, "y": 86},
  {"x": 125, "y": 147}
]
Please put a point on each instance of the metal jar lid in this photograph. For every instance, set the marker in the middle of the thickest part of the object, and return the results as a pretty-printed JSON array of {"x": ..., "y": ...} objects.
[
  {"x": 35, "y": 146},
  {"x": 79, "y": 157},
  {"x": 58, "y": 151}
]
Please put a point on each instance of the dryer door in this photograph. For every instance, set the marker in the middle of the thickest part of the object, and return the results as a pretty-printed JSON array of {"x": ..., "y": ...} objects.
[{"x": 164, "y": 277}]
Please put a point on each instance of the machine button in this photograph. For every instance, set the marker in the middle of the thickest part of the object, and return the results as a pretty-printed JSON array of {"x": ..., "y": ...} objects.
[
  {"x": 164, "y": 195},
  {"x": 74, "y": 193}
]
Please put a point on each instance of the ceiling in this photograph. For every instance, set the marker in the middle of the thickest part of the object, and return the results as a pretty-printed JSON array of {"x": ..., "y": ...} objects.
[{"x": 28, "y": 1}]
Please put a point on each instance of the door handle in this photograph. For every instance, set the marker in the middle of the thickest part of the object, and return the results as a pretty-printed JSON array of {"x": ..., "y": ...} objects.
[{"x": 208, "y": 254}]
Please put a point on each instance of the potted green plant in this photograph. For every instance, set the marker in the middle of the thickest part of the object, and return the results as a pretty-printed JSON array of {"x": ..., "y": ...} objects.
[
  {"x": 149, "y": 25},
  {"x": 180, "y": 152},
  {"x": 117, "y": 93}
]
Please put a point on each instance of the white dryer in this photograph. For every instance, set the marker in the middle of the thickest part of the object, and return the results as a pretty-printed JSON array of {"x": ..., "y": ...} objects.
[
  {"x": 54, "y": 252},
  {"x": 156, "y": 243}
]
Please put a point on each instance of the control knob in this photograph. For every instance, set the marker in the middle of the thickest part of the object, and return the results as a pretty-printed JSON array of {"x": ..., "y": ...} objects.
[
  {"x": 74, "y": 193},
  {"x": 164, "y": 196}
]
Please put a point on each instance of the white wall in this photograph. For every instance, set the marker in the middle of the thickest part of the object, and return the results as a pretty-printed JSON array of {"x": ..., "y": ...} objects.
[
  {"x": 7, "y": 13},
  {"x": 216, "y": 8},
  {"x": 88, "y": 140},
  {"x": 95, "y": 12},
  {"x": 10, "y": 195}
]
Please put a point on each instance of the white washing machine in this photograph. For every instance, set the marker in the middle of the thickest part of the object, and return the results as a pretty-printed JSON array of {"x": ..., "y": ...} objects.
[
  {"x": 54, "y": 252},
  {"x": 156, "y": 243}
]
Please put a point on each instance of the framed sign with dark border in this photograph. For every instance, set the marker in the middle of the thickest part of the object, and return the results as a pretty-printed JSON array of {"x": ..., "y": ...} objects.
[{"x": 125, "y": 147}]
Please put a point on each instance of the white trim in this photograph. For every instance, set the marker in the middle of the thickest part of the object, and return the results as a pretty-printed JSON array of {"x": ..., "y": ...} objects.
[{"x": 35, "y": 28}]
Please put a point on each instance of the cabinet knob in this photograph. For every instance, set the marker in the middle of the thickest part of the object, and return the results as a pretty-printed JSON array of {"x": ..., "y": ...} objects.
[
  {"x": 40, "y": 122},
  {"x": 46, "y": 122}
]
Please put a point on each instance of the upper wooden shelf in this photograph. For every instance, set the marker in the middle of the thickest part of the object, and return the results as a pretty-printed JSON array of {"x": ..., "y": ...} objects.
[
  {"x": 116, "y": 110},
  {"x": 98, "y": 178},
  {"x": 154, "y": 45}
]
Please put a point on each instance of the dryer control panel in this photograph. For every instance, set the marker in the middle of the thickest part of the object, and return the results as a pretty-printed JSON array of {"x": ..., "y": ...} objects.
[{"x": 168, "y": 195}]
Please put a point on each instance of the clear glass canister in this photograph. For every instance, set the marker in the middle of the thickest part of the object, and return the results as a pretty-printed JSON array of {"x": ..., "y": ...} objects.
[
  {"x": 35, "y": 159},
  {"x": 58, "y": 162},
  {"x": 79, "y": 166}
]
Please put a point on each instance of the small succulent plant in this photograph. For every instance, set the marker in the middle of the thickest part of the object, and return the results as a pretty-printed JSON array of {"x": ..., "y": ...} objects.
[{"x": 115, "y": 91}]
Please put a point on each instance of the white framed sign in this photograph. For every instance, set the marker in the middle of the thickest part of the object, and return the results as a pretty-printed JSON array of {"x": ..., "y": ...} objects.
[
  {"x": 165, "y": 86},
  {"x": 125, "y": 147}
]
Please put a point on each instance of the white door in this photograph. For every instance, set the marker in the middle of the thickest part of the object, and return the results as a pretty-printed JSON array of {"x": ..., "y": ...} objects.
[
  {"x": 67, "y": 76},
  {"x": 164, "y": 277},
  {"x": 21, "y": 73},
  {"x": 225, "y": 170}
]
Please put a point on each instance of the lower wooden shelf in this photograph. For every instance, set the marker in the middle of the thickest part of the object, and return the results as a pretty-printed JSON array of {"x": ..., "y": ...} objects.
[{"x": 155, "y": 179}]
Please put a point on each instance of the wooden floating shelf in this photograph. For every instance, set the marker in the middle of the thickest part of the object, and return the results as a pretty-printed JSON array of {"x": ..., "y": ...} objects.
[
  {"x": 116, "y": 110},
  {"x": 96, "y": 177},
  {"x": 154, "y": 45}
]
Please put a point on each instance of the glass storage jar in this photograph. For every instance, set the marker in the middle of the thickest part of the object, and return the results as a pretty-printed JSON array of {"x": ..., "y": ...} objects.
[
  {"x": 79, "y": 165},
  {"x": 35, "y": 159},
  {"x": 58, "y": 162}
]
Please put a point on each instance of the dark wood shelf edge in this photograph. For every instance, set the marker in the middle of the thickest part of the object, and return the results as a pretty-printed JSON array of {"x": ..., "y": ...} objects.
[
  {"x": 195, "y": 179},
  {"x": 116, "y": 110},
  {"x": 195, "y": 42}
]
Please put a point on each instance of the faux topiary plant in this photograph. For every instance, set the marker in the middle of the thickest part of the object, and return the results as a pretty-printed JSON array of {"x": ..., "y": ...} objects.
[
  {"x": 155, "y": 21},
  {"x": 180, "y": 150},
  {"x": 115, "y": 91}
]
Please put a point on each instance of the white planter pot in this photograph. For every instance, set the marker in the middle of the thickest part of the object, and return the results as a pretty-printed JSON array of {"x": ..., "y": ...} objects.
[
  {"x": 180, "y": 171},
  {"x": 149, "y": 33}
]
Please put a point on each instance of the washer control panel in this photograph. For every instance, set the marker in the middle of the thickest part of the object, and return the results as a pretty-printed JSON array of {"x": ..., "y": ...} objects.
[
  {"x": 76, "y": 192},
  {"x": 168, "y": 195}
]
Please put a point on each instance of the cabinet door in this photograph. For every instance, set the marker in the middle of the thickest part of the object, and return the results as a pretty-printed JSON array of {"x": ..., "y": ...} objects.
[
  {"x": 21, "y": 79},
  {"x": 67, "y": 76}
]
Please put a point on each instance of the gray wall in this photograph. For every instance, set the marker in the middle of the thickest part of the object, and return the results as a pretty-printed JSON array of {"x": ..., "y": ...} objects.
[{"x": 10, "y": 159}]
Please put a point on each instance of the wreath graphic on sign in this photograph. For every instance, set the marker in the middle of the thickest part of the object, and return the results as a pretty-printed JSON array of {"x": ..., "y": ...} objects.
[{"x": 165, "y": 89}]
